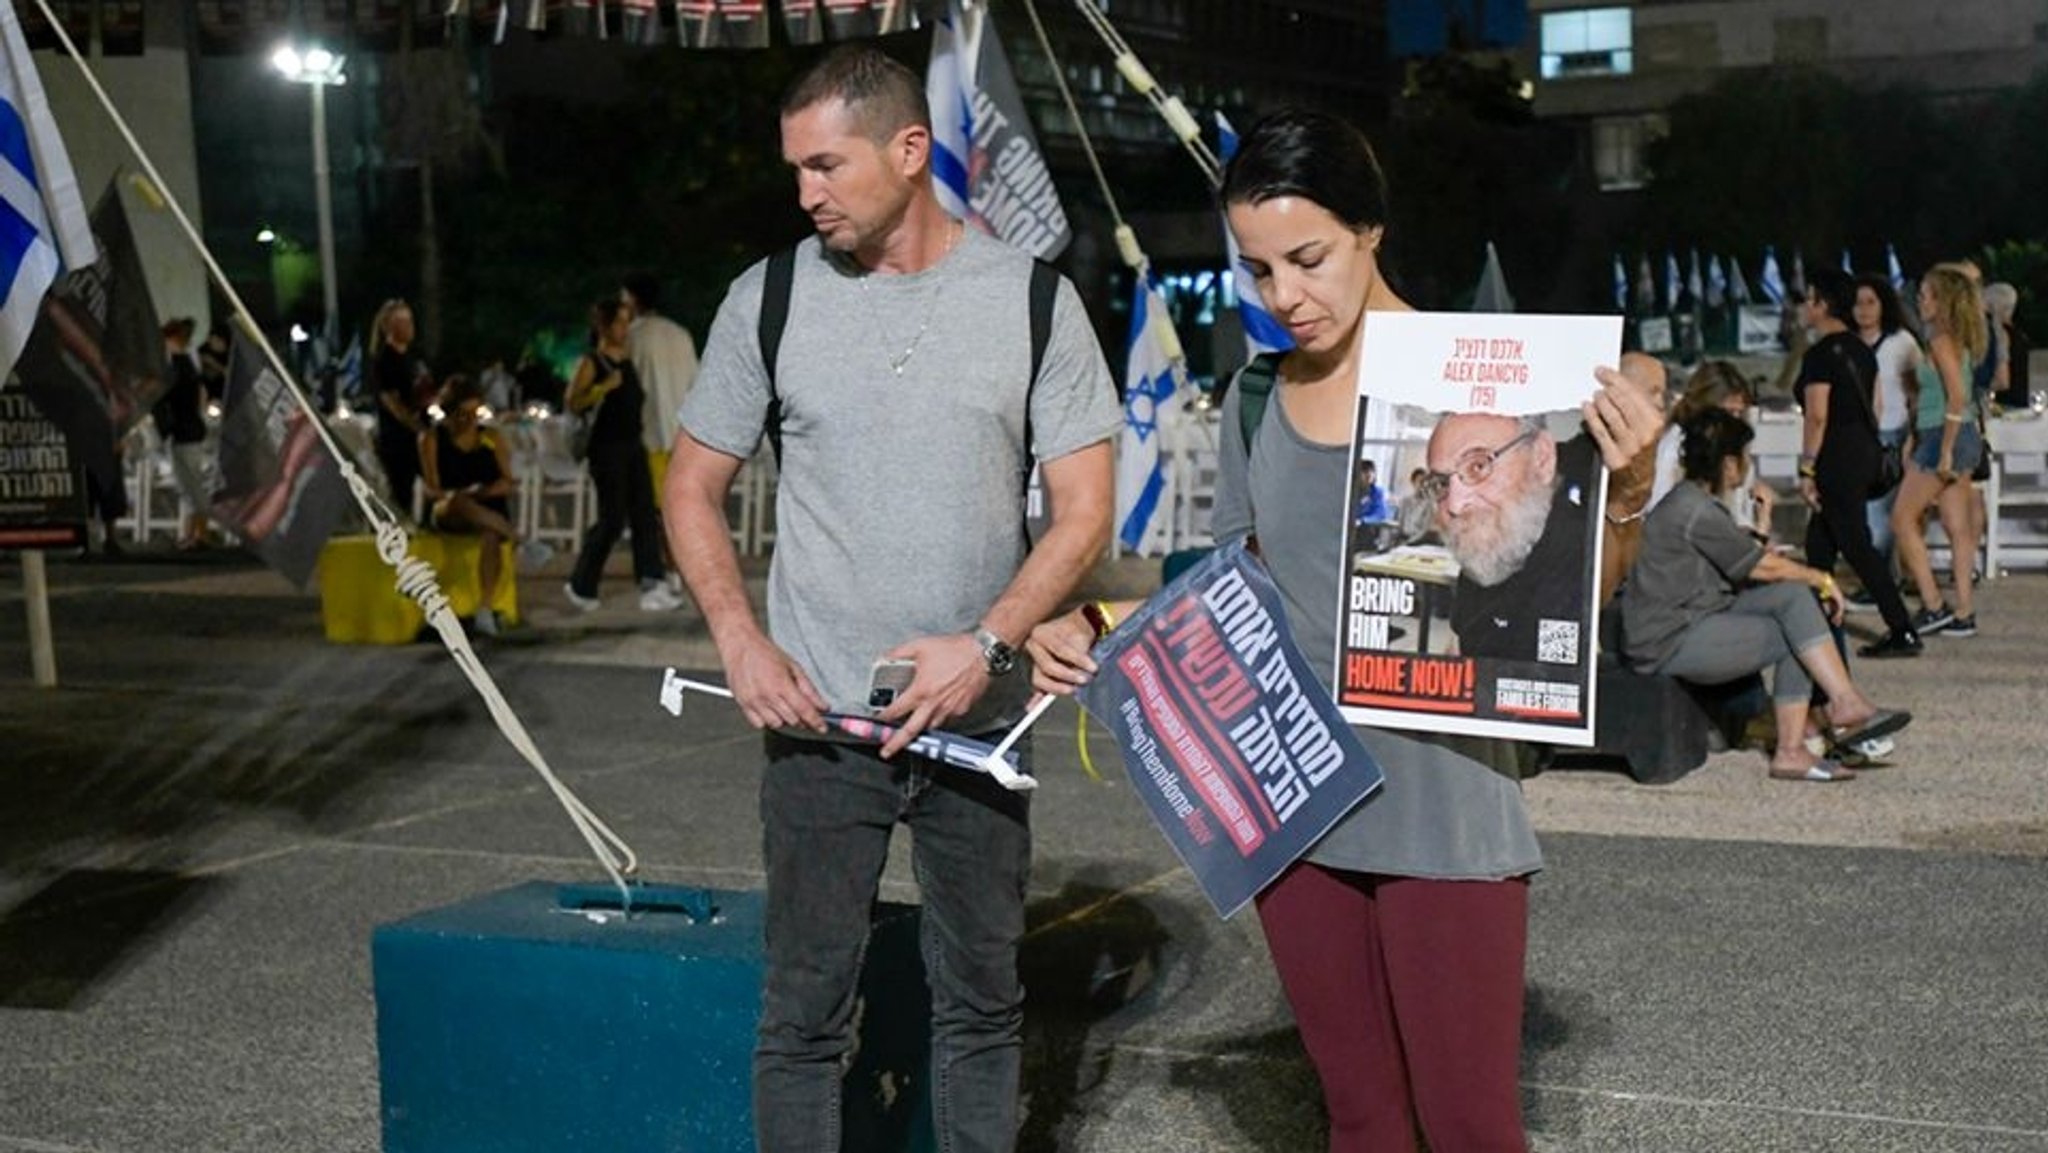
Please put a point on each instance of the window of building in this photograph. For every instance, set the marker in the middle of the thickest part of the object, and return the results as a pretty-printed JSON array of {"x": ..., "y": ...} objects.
[
  {"x": 1620, "y": 150},
  {"x": 1588, "y": 42}
]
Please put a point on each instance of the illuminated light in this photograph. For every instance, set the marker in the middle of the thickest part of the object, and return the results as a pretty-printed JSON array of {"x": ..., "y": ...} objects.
[
  {"x": 300, "y": 335},
  {"x": 287, "y": 60},
  {"x": 319, "y": 60},
  {"x": 265, "y": 236}
]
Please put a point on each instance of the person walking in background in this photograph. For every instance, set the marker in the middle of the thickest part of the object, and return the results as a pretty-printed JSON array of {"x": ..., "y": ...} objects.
[
  {"x": 1881, "y": 325},
  {"x": 1947, "y": 445},
  {"x": 180, "y": 416},
  {"x": 606, "y": 390},
  {"x": 1839, "y": 454},
  {"x": 469, "y": 484},
  {"x": 905, "y": 384},
  {"x": 1400, "y": 938},
  {"x": 395, "y": 378},
  {"x": 665, "y": 355}
]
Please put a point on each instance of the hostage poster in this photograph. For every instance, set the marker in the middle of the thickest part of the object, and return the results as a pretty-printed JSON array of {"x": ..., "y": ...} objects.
[
  {"x": 1227, "y": 736},
  {"x": 1472, "y": 535}
]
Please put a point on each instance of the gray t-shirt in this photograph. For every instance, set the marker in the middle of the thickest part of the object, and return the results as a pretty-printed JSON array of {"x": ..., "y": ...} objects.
[
  {"x": 1692, "y": 558},
  {"x": 1446, "y": 810},
  {"x": 899, "y": 509}
]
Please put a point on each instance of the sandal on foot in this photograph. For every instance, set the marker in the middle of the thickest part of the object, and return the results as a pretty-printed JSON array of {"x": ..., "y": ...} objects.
[
  {"x": 1882, "y": 723},
  {"x": 1820, "y": 772}
]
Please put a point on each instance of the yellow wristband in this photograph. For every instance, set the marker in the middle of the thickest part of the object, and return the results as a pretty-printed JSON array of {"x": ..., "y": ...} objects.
[{"x": 1098, "y": 616}]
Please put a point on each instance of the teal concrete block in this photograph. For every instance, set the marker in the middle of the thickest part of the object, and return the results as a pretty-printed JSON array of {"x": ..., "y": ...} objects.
[{"x": 528, "y": 1021}]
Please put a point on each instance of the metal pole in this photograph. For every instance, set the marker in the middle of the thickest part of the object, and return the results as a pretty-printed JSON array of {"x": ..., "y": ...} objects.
[
  {"x": 35, "y": 588},
  {"x": 330, "y": 289}
]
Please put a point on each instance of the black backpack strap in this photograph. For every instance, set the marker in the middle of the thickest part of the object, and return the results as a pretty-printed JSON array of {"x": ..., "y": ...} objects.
[
  {"x": 1045, "y": 291},
  {"x": 1254, "y": 388},
  {"x": 775, "y": 293}
]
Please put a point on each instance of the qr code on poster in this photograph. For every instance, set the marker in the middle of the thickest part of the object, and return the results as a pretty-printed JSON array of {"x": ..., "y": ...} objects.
[{"x": 1557, "y": 642}]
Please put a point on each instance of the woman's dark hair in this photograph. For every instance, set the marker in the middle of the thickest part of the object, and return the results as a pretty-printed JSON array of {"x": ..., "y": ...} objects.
[
  {"x": 1836, "y": 291},
  {"x": 458, "y": 390},
  {"x": 1710, "y": 438},
  {"x": 1317, "y": 157},
  {"x": 1891, "y": 313},
  {"x": 602, "y": 314}
]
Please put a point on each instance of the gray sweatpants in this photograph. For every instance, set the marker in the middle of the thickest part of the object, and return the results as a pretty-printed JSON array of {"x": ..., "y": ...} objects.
[{"x": 1768, "y": 624}]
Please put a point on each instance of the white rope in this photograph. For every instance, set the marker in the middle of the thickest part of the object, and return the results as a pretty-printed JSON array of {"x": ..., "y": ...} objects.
[
  {"x": 416, "y": 578},
  {"x": 1178, "y": 119}
]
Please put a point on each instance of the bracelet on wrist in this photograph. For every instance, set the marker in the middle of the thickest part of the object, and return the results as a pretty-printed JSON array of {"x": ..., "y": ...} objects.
[
  {"x": 1099, "y": 618},
  {"x": 1629, "y": 518},
  {"x": 1952, "y": 417}
]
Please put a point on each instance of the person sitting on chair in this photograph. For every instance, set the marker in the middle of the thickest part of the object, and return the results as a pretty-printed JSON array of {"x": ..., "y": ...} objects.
[{"x": 469, "y": 486}]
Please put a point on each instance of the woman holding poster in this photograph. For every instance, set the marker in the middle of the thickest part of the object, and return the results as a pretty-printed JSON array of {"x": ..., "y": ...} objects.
[{"x": 1400, "y": 937}]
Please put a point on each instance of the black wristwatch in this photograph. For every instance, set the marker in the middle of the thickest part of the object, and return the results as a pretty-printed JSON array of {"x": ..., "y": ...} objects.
[{"x": 996, "y": 654}]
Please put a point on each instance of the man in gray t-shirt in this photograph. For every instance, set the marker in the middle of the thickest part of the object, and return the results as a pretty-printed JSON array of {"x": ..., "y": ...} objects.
[{"x": 908, "y": 425}]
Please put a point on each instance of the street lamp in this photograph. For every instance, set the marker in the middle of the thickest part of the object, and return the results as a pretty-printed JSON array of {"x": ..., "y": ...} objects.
[{"x": 319, "y": 68}]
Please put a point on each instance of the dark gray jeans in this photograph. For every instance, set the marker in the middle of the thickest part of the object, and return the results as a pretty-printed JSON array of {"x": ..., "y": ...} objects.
[
  {"x": 1768, "y": 625},
  {"x": 827, "y": 812}
]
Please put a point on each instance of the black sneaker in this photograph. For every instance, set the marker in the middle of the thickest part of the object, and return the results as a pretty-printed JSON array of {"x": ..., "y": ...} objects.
[
  {"x": 1892, "y": 645},
  {"x": 1860, "y": 602},
  {"x": 1962, "y": 627},
  {"x": 1927, "y": 622}
]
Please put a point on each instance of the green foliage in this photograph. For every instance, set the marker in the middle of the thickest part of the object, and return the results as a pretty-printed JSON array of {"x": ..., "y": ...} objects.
[
  {"x": 1806, "y": 162},
  {"x": 2024, "y": 265}
]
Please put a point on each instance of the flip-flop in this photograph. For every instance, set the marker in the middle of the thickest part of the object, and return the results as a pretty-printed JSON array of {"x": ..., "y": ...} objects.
[
  {"x": 1882, "y": 723},
  {"x": 1820, "y": 772}
]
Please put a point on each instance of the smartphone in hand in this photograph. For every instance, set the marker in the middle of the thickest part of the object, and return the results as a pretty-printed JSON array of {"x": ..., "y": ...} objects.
[{"x": 887, "y": 681}]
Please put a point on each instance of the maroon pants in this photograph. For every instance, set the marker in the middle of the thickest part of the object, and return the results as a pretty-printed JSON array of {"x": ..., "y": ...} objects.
[{"x": 1408, "y": 994}]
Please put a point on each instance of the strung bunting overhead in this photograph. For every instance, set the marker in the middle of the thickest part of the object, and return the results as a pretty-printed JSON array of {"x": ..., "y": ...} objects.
[{"x": 819, "y": 21}]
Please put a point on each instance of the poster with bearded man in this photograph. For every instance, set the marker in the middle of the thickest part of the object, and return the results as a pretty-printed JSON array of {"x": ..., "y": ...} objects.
[{"x": 1472, "y": 535}]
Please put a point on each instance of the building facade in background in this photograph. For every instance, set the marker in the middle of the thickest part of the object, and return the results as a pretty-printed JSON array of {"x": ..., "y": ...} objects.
[{"x": 1617, "y": 67}]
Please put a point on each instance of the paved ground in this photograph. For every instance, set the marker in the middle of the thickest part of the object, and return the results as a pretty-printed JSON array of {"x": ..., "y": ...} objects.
[{"x": 205, "y": 822}]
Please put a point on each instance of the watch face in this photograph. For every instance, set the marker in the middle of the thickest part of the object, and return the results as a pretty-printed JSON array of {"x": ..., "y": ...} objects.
[{"x": 996, "y": 654}]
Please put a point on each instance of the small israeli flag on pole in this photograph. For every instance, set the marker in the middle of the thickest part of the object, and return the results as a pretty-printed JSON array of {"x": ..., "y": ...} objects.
[
  {"x": 1262, "y": 333},
  {"x": 1150, "y": 380},
  {"x": 1772, "y": 282},
  {"x": 43, "y": 224}
]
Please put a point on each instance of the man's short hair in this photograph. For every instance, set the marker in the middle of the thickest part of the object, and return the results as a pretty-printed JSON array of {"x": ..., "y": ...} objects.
[
  {"x": 884, "y": 96},
  {"x": 1836, "y": 292}
]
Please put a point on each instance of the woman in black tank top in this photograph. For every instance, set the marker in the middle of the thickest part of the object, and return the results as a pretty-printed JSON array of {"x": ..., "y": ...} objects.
[{"x": 469, "y": 485}]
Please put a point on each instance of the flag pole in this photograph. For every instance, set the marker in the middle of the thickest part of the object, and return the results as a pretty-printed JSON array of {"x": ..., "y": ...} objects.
[
  {"x": 415, "y": 577},
  {"x": 35, "y": 590}
]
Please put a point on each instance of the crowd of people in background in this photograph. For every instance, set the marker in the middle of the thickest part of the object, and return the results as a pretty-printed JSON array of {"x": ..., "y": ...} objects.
[{"x": 1894, "y": 408}]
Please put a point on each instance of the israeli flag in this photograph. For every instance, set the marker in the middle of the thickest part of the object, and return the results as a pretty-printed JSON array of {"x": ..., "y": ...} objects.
[
  {"x": 1892, "y": 269},
  {"x": 43, "y": 223},
  {"x": 1674, "y": 284},
  {"x": 987, "y": 168},
  {"x": 1694, "y": 286},
  {"x": 1848, "y": 266},
  {"x": 1620, "y": 285},
  {"x": 1738, "y": 288},
  {"x": 1772, "y": 282},
  {"x": 1262, "y": 333},
  {"x": 1717, "y": 283},
  {"x": 1150, "y": 381}
]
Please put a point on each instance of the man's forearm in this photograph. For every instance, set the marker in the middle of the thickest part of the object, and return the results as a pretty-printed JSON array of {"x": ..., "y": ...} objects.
[
  {"x": 1055, "y": 568},
  {"x": 701, "y": 542}
]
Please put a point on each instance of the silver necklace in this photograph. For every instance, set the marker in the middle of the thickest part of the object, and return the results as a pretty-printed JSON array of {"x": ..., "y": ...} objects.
[{"x": 899, "y": 361}]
